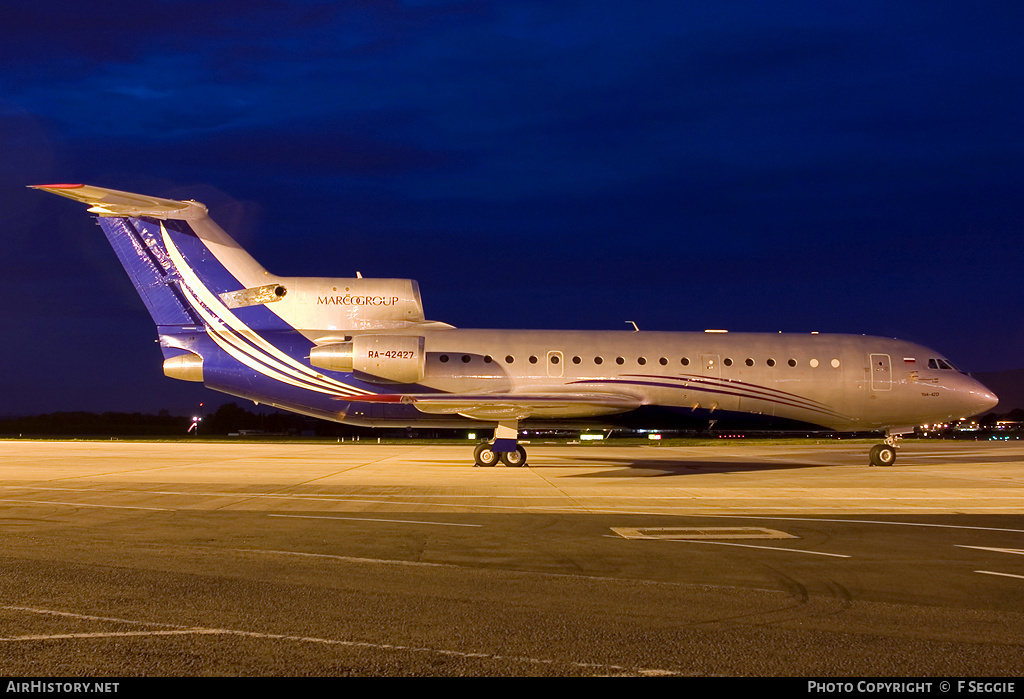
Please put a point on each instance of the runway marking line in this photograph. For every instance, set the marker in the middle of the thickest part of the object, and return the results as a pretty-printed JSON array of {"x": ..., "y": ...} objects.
[
  {"x": 1004, "y": 575},
  {"x": 176, "y": 629},
  {"x": 377, "y": 519},
  {"x": 1019, "y": 552},
  {"x": 693, "y": 533},
  {"x": 870, "y": 521},
  {"x": 347, "y": 559},
  {"x": 752, "y": 546},
  {"x": 84, "y": 504}
]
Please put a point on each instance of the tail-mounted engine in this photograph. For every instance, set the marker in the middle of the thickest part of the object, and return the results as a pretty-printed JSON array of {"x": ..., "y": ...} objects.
[{"x": 382, "y": 358}]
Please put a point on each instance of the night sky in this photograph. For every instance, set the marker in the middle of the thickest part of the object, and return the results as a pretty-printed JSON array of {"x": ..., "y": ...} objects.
[{"x": 801, "y": 166}]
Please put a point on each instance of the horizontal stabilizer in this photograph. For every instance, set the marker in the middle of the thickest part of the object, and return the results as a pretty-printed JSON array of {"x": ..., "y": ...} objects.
[
  {"x": 111, "y": 202},
  {"x": 507, "y": 406}
]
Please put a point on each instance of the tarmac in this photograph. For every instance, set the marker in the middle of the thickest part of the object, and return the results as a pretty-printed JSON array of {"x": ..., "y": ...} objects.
[{"x": 200, "y": 558}]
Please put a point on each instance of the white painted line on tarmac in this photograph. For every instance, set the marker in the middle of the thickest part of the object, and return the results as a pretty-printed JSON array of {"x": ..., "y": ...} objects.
[
  {"x": 872, "y": 521},
  {"x": 110, "y": 634},
  {"x": 82, "y": 504},
  {"x": 175, "y": 629},
  {"x": 1019, "y": 552},
  {"x": 751, "y": 546},
  {"x": 1004, "y": 575},
  {"x": 418, "y": 499},
  {"x": 376, "y": 519},
  {"x": 347, "y": 559}
]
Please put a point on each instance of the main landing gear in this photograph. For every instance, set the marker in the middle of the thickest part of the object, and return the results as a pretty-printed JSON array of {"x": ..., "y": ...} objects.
[
  {"x": 505, "y": 447},
  {"x": 484, "y": 455}
]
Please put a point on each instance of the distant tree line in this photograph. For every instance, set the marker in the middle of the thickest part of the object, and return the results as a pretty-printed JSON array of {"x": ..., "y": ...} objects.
[
  {"x": 231, "y": 418},
  {"x": 227, "y": 419},
  {"x": 989, "y": 419},
  {"x": 73, "y": 424}
]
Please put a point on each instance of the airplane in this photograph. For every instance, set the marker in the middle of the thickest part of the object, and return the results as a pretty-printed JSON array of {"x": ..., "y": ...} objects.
[{"x": 361, "y": 351}]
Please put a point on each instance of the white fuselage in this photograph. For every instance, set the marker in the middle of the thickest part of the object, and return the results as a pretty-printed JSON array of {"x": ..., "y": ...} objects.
[{"x": 837, "y": 381}]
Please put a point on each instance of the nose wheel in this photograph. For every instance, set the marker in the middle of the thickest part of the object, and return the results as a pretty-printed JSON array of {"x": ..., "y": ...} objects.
[{"x": 882, "y": 455}]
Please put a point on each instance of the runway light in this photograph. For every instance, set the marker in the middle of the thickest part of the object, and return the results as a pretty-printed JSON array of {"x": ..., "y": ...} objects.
[
  {"x": 472, "y": 435},
  {"x": 654, "y": 436}
]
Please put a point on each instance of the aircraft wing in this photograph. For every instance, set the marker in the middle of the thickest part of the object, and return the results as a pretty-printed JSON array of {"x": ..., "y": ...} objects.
[
  {"x": 112, "y": 202},
  {"x": 511, "y": 406}
]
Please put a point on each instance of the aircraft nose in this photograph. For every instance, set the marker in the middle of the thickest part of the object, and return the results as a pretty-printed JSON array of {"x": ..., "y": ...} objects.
[{"x": 980, "y": 398}]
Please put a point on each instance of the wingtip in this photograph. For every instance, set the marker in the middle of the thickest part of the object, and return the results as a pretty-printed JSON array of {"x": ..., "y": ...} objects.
[{"x": 55, "y": 186}]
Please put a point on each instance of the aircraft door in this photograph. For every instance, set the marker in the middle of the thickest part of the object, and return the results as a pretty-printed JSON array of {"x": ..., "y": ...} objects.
[
  {"x": 881, "y": 372},
  {"x": 710, "y": 365},
  {"x": 555, "y": 363}
]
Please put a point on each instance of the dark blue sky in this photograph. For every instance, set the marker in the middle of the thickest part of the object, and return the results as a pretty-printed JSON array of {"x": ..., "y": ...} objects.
[{"x": 840, "y": 167}]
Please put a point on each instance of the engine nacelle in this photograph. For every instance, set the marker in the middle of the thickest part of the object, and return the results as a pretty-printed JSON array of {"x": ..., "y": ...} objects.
[
  {"x": 185, "y": 367},
  {"x": 384, "y": 358}
]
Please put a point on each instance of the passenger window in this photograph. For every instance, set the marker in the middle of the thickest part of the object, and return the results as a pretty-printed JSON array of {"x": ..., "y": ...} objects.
[
  {"x": 509, "y": 359},
  {"x": 444, "y": 358},
  {"x": 684, "y": 361},
  {"x": 727, "y": 361},
  {"x": 792, "y": 362},
  {"x": 663, "y": 361},
  {"x": 641, "y": 361},
  {"x": 749, "y": 362},
  {"x": 576, "y": 360},
  {"x": 598, "y": 360},
  {"x": 620, "y": 360},
  {"x": 770, "y": 362}
]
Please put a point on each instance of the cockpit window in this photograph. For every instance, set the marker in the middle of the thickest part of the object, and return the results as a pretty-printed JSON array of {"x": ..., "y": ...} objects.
[{"x": 934, "y": 363}]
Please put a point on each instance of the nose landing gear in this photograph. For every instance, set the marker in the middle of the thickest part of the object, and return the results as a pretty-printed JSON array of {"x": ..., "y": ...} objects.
[{"x": 884, "y": 454}]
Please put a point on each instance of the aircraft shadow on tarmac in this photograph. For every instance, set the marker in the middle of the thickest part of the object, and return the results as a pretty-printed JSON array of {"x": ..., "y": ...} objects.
[{"x": 663, "y": 467}]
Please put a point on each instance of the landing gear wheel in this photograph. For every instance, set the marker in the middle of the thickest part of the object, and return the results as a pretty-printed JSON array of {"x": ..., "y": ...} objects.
[
  {"x": 882, "y": 455},
  {"x": 483, "y": 456},
  {"x": 514, "y": 458}
]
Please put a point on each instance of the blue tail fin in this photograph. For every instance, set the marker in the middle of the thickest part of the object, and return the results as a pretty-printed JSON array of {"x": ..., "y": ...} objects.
[
  {"x": 153, "y": 275},
  {"x": 160, "y": 240}
]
